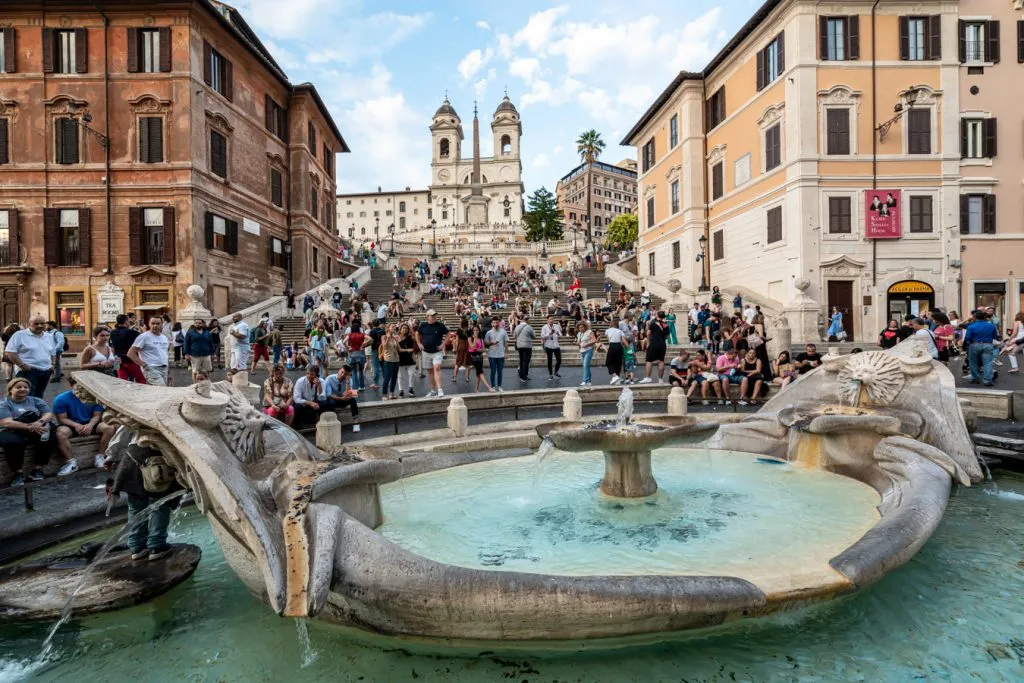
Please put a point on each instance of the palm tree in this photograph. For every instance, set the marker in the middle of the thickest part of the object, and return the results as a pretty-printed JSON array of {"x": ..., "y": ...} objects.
[{"x": 589, "y": 145}]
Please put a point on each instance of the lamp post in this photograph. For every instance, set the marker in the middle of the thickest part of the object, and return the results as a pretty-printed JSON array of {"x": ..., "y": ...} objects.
[
  {"x": 391, "y": 251},
  {"x": 702, "y": 259},
  {"x": 433, "y": 238},
  {"x": 911, "y": 97},
  {"x": 288, "y": 261},
  {"x": 507, "y": 204},
  {"x": 544, "y": 236},
  {"x": 376, "y": 231},
  {"x": 575, "y": 229}
]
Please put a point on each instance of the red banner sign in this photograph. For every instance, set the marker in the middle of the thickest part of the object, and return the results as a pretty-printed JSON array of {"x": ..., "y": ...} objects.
[{"x": 882, "y": 214}]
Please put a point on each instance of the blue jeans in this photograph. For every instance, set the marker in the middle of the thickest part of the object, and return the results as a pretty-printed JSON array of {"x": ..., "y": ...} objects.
[
  {"x": 377, "y": 369},
  {"x": 587, "y": 356},
  {"x": 152, "y": 533},
  {"x": 980, "y": 357},
  {"x": 497, "y": 369},
  {"x": 38, "y": 379},
  {"x": 390, "y": 378},
  {"x": 357, "y": 359}
]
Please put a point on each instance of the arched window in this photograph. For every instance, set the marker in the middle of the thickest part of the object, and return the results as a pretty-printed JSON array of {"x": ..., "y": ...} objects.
[
  {"x": 401, "y": 223},
  {"x": 444, "y": 148},
  {"x": 506, "y": 145},
  {"x": 362, "y": 231},
  {"x": 401, "y": 207}
]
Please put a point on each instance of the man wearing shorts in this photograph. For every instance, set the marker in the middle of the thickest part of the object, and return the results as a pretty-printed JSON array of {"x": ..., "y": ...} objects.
[
  {"x": 149, "y": 350},
  {"x": 77, "y": 418},
  {"x": 430, "y": 340},
  {"x": 727, "y": 368}
]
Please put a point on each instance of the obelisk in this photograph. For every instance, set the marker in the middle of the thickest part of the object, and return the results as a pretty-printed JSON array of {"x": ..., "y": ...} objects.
[{"x": 476, "y": 202}]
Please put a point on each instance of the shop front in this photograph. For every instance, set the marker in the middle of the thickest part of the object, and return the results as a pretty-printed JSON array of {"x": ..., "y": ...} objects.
[{"x": 909, "y": 297}]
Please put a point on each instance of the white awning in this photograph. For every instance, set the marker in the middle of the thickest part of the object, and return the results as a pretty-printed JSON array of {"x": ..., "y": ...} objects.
[{"x": 150, "y": 307}]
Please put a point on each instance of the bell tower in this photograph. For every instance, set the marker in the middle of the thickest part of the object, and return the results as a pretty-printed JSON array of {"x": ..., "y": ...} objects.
[
  {"x": 446, "y": 137},
  {"x": 506, "y": 129}
]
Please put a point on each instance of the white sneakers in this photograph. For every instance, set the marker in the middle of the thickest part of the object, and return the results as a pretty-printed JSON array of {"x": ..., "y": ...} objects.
[
  {"x": 99, "y": 460},
  {"x": 356, "y": 427},
  {"x": 440, "y": 393},
  {"x": 615, "y": 379},
  {"x": 646, "y": 380},
  {"x": 432, "y": 394},
  {"x": 70, "y": 467}
]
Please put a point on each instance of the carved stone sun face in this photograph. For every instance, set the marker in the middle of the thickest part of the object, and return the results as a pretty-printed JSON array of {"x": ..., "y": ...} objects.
[{"x": 879, "y": 373}]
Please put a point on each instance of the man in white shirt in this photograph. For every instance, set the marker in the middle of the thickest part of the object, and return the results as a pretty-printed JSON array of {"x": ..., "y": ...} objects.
[
  {"x": 382, "y": 311},
  {"x": 922, "y": 331},
  {"x": 749, "y": 313},
  {"x": 32, "y": 352},
  {"x": 549, "y": 335},
  {"x": 308, "y": 396},
  {"x": 645, "y": 297},
  {"x": 149, "y": 350},
  {"x": 238, "y": 338}
]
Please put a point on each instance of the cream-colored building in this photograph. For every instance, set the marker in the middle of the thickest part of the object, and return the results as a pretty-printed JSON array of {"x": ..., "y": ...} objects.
[
  {"x": 409, "y": 212},
  {"x": 611, "y": 190},
  {"x": 771, "y": 151}
]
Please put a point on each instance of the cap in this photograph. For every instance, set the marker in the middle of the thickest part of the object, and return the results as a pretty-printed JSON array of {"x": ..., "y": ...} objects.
[{"x": 431, "y": 312}]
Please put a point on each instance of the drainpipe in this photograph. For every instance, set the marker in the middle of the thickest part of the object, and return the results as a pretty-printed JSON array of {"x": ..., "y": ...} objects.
[
  {"x": 874, "y": 146},
  {"x": 106, "y": 135},
  {"x": 706, "y": 261},
  {"x": 289, "y": 256}
]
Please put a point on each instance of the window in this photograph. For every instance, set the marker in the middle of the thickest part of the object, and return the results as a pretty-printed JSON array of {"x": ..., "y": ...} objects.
[
  {"x": 362, "y": 214},
  {"x": 311, "y": 136},
  {"x": 401, "y": 207},
  {"x": 217, "y": 72},
  {"x": 597, "y": 221},
  {"x": 67, "y": 52},
  {"x": 1020, "y": 46},
  {"x": 977, "y": 138},
  {"x": 839, "y": 38},
  {"x": 8, "y": 52},
  {"x": 648, "y": 155},
  {"x": 5, "y": 134},
  {"x": 275, "y": 254},
  {"x": 837, "y": 126},
  {"x": 597, "y": 191},
  {"x": 920, "y": 214},
  {"x": 388, "y": 212},
  {"x": 771, "y": 61},
  {"x": 717, "y": 180},
  {"x": 839, "y": 216},
  {"x": 149, "y": 50},
  {"x": 443, "y": 148},
  {"x": 676, "y": 256},
  {"x": 430, "y": 214},
  {"x": 775, "y": 224},
  {"x": 716, "y": 108},
  {"x": 506, "y": 145},
  {"x": 718, "y": 245},
  {"x": 650, "y": 264},
  {"x": 65, "y": 140},
  {"x": 151, "y": 139},
  {"x": 773, "y": 147},
  {"x": 401, "y": 222},
  {"x": 674, "y": 196},
  {"x": 444, "y": 215},
  {"x": 66, "y": 237},
  {"x": 920, "y": 38},
  {"x": 979, "y": 42},
  {"x": 313, "y": 202},
  {"x": 218, "y": 154},
  {"x": 277, "y": 191},
  {"x": 9, "y": 237},
  {"x": 673, "y": 132},
  {"x": 376, "y": 214},
  {"x": 153, "y": 235},
  {"x": 275, "y": 118},
  {"x": 329, "y": 160},
  {"x": 977, "y": 214},
  {"x": 316, "y": 260},
  {"x": 919, "y": 131},
  {"x": 221, "y": 233},
  {"x": 71, "y": 313},
  {"x": 650, "y": 212}
]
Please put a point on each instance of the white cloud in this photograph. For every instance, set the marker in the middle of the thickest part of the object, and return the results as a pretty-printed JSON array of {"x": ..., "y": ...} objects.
[
  {"x": 525, "y": 68},
  {"x": 504, "y": 46},
  {"x": 290, "y": 19},
  {"x": 540, "y": 91},
  {"x": 387, "y": 142},
  {"x": 473, "y": 62},
  {"x": 483, "y": 25},
  {"x": 537, "y": 31},
  {"x": 480, "y": 88},
  {"x": 362, "y": 37},
  {"x": 540, "y": 161}
]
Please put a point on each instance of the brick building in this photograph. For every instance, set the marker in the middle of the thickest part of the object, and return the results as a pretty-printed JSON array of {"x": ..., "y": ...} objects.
[
  {"x": 611, "y": 190},
  {"x": 144, "y": 148}
]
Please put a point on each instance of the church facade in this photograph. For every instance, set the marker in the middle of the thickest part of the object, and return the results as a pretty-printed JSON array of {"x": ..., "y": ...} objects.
[{"x": 474, "y": 193}]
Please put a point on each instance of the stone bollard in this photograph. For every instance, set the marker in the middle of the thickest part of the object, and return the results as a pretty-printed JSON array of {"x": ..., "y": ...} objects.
[
  {"x": 677, "y": 401},
  {"x": 458, "y": 416},
  {"x": 328, "y": 432},
  {"x": 572, "y": 405},
  {"x": 240, "y": 381}
]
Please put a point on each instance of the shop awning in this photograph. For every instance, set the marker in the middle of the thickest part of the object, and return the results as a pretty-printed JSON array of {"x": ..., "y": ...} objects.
[{"x": 149, "y": 307}]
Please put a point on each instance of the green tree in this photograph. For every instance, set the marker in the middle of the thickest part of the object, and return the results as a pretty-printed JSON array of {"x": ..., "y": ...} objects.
[
  {"x": 623, "y": 230},
  {"x": 542, "y": 207},
  {"x": 589, "y": 145}
]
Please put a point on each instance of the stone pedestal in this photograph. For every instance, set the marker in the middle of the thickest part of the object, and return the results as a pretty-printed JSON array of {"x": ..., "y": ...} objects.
[
  {"x": 802, "y": 315},
  {"x": 194, "y": 310},
  {"x": 572, "y": 405},
  {"x": 458, "y": 417},
  {"x": 240, "y": 381},
  {"x": 780, "y": 333},
  {"x": 677, "y": 401},
  {"x": 628, "y": 475},
  {"x": 328, "y": 432}
]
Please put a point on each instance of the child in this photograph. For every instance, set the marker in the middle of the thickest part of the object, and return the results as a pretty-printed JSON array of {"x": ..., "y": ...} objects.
[{"x": 628, "y": 364}]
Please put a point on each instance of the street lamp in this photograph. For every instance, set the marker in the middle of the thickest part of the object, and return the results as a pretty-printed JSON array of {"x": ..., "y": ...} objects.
[
  {"x": 84, "y": 125},
  {"x": 544, "y": 236},
  {"x": 575, "y": 229},
  {"x": 376, "y": 230},
  {"x": 701, "y": 259},
  {"x": 506, "y": 204},
  {"x": 911, "y": 97},
  {"x": 391, "y": 252},
  {"x": 433, "y": 238},
  {"x": 288, "y": 261}
]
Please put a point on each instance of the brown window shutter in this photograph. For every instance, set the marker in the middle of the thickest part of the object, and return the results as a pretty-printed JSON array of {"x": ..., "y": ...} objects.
[
  {"x": 51, "y": 236},
  {"x": 81, "y": 51},
  {"x": 209, "y": 230},
  {"x": 963, "y": 138},
  {"x": 782, "y": 51},
  {"x": 144, "y": 139},
  {"x": 268, "y": 112},
  {"x": 232, "y": 230},
  {"x": 760, "y": 69},
  {"x": 5, "y": 155},
  {"x": 822, "y": 38},
  {"x": 207, "y": 63},
  {"x": 853, "y": 37},
  {"x": 935, "y": 37},
  {"x": 965, "y": 214},
  {"x": 275, "y": 187},
  {"x": 988, "y": 128},
  {"x": 989, "y": 224},
  {"x": 962, "y": 25},
  {"x": 134, "y": 236},
  {"x": 85, "y": 237},
  {"x": 282, "y": 123},
  {"x": 992, "y": 42},
  {"x": 165, "y": 48},
  {"x": 10, "y": 51},
  {"x": 229, "y": 86},
  {"x": 48, "y": 50},
  {"x": 905, "y": 38},
  {"x": 1020, "y": 42},
  {"x": 156, "y": 139},
  {"x": 169, "y": 233},
  {"x": 133, "y": 50},
  {"x": 13, "y": 247}
]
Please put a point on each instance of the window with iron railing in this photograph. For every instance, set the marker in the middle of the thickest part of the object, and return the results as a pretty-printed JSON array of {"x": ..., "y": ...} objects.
[{"x": 153, "y": 220}]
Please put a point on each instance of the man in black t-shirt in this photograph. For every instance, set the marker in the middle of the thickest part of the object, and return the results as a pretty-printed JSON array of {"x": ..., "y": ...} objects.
[
  {"x": 430, "y": 338},
  {"x": 807, "y": 361},
  {"x": 121, "y": 339},
  {"x": 905, "y": 330}
]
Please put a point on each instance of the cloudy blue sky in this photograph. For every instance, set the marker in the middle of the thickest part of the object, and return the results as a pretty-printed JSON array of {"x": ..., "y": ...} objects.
[{"x": 383, "y": 68}]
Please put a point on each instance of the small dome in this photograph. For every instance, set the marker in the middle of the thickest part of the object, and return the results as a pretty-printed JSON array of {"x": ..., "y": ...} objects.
[
  {"x": 506, "y": 105},
  {"x": 446, "y": 109}
]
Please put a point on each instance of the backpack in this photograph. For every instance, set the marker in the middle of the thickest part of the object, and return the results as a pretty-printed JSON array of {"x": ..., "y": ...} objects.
[
  {"x": 253, "y": 335},
  {"x": 66, "y": 345}
]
